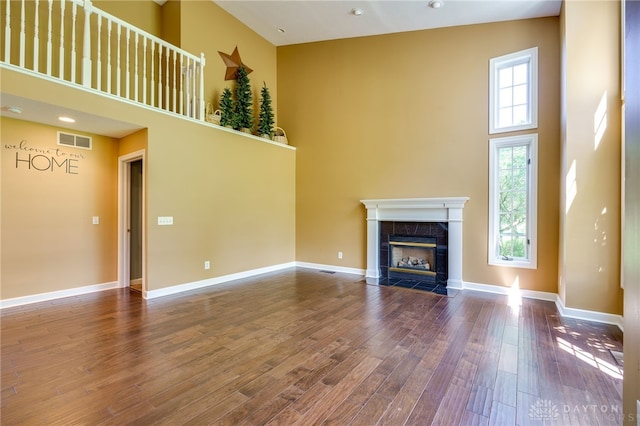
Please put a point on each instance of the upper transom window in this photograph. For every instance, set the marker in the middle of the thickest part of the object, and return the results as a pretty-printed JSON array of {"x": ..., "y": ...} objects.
[{"x": 513, "y": 91}]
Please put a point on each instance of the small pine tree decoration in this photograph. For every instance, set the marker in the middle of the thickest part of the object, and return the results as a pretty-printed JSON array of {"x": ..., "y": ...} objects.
[
  {"x": 265, "y": 118},
  {"x": 226, "y": 108},
  {"x": 243, "y": 110}
]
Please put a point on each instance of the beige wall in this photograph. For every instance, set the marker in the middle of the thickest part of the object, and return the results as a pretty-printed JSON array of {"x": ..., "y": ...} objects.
[
  {"x": 406, "y": 115},
  {"x": 207, "y": 28},
  {"x": 590, "y": 236},
  {"x": 134, "y": 142},
  {"x": 232, "y": 198},
  {"x": 401, "y": 115},
  {"x": 144, "y": 14},
  {"x": 48, "y": 239},
  {"x": 171, "y": 22}
]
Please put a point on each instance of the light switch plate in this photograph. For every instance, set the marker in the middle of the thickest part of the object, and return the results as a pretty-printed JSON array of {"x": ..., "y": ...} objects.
[
  {"x": 165, "y": 220},
  {"x": 96, "y": 220}
]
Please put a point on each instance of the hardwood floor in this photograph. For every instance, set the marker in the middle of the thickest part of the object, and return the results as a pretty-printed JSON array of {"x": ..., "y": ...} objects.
[{"x": 305, "y": 347}]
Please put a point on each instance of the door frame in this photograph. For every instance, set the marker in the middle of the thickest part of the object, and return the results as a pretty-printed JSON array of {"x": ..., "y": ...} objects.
[{"x": 124, "y": 185}]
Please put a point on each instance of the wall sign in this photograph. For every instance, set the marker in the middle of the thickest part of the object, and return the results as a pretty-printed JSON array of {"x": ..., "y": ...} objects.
[{"x": 45, "y": 159}]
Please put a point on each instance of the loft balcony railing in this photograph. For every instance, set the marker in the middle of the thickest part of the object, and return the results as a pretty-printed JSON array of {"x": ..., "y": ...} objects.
[{"x": 73, "y": 41}]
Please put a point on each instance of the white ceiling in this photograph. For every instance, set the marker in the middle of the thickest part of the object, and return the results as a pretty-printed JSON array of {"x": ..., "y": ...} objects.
[{"x": 305, "y": 21}]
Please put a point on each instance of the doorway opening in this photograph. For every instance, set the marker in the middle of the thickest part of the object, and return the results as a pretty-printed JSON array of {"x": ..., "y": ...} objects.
[{"x": 131, "y": 222}]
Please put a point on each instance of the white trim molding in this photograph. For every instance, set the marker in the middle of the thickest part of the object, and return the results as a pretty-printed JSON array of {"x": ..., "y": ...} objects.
[
  {"x": 174, "y": 289},
  {"x": 530, "y": 259},
  {"x": 416, "y": 210},
  {"x": 529, "y": 57},
  {"x": 507, "y": 291},
  {"x": 599, "y": 317},
  {"x": 331, "y": 268},
  {"x": 44, "y": 297},
  {"x": 124, "y": 183},
  {"x": 594, "y": 316}
]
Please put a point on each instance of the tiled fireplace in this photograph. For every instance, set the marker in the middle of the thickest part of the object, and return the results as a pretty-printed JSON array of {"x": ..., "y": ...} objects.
[
  {"x": 414, "y": 251},
  {"x": 419, "y": 238}
]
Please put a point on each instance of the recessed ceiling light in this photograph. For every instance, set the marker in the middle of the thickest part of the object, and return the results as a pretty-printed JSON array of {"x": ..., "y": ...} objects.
[
  {"x": 357, "y": 12},
  {"x": 67, "y": 119},
  {"x": 15, "y": 109},
  {"x": 436, "y": 4}
]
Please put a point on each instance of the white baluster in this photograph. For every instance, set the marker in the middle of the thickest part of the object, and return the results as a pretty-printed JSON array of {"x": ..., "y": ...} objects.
[
  {"x": 7, "y": 33},
  {"x": 192, "y": 90},
  {"x": 186, "y": 88},
  {"x": 36, "y": 39},
  {"x": 61, "y": 58},
  {"x": 201, "y": 82},
  {"x": 49, "y": 44},
  {"x": 118, "y": 67},
  {"x": 152, "y": 87},
  {"x": 181, "y": 84},
  {"x": 160, "y": 97},
  {"x": 128, "y": 73},
  {"x": 86, "y": 48},
  {"x": 22, "y": 34},
  {"x": 135, "y": 69},
  {"x": 144, "y": 71},
  {"x": 99, "y": 54},
  {"x": 166, "y": 84},
  {"x": 174, "y": 80},
  {"x": 74, "y": 13},
  {"x": 108, "y": 55}
]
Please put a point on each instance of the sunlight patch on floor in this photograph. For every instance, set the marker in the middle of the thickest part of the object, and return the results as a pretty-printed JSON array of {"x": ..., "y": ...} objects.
[{"x": 584, "y": 356}]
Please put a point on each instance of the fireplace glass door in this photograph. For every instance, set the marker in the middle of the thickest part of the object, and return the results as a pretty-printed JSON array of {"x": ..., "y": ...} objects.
[{"x": 412, "y": 257}]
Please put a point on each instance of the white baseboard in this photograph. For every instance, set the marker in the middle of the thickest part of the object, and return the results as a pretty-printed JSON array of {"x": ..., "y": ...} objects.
[
  {"x": 455, "y": 284},
  {"x": 43, "y": 297},
  {"x": 529, "y": 294},
  {"x": 594, "y": 316},
  {"x": 174, "y": 289},
  {"x": 332, "y": 268}
]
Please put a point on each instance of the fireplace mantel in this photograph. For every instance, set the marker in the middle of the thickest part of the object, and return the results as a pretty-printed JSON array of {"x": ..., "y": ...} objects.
[{"x": 447, "y": 209}]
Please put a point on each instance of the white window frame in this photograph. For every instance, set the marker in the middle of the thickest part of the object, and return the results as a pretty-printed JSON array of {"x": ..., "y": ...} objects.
[
  {"x": 531, "y": 141},
  {"x": 495, "y": 65}
]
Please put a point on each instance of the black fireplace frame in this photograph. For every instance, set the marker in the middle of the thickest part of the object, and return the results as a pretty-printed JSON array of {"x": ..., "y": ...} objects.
[{"x": 437, "y": 230}]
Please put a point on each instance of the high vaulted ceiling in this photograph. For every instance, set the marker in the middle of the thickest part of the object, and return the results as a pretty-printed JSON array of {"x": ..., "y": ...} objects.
[{"x": 302, "y": 21}]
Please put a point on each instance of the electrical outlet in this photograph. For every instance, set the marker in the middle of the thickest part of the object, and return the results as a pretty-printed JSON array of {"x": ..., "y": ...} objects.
[
  {"x": 339, "y": 255},
  {"x": 96, "y": 220},
  {"x": 207, "y": 264}
]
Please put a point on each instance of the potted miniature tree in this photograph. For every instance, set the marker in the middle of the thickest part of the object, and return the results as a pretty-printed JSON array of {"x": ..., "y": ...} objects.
[
  {"x": 243, "y": 110},
  {"x": 265, "y": 117},
  {"x": 226, "y": 108}
]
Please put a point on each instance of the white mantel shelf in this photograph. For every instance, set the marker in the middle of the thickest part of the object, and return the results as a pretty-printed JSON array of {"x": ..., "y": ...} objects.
[{"x": 448, "y": 209}]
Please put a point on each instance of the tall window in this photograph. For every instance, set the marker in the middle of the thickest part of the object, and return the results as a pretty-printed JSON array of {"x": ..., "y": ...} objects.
[
  {"x": 513, "y": 86},
  {"x": 513, "y": 201}
]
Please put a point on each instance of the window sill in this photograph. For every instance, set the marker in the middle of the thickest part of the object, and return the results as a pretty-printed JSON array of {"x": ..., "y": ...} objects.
[
  {"x": 493, "y": 131},
  {"x": 513, "y": 264}
]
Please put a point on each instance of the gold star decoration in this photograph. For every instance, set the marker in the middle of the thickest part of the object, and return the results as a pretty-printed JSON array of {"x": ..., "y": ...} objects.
[{"x": 233, "y": 62}]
